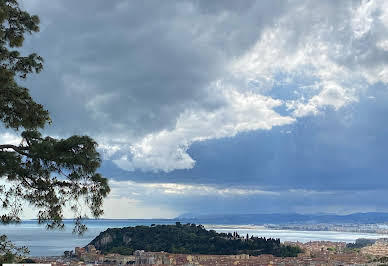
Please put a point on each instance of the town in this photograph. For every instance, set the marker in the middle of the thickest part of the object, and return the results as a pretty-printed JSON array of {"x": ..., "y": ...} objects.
[
  {"x": 314, "y": 253},
  {"x": 374, "y": 228}
]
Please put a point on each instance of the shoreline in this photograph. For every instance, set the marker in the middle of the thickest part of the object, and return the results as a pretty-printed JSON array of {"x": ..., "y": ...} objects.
[{"x": 54, "y": 243}]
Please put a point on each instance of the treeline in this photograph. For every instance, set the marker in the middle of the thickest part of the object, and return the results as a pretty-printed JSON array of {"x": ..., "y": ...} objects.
[
  {"x": 187, "y": 239},
  {"x": 361, "y": 242}
]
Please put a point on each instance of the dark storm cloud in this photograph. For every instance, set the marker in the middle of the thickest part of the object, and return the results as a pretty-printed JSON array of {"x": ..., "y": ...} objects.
[
  {"x": 124, "y": 69},
  {"x": 133, "y": 66}
]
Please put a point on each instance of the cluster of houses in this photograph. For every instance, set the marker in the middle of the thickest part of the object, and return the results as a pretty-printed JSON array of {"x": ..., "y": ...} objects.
[
  {"x": 379, "y": 248},
  {"x": 315, "y": 253},
  {"x": 91, "y": 255}
]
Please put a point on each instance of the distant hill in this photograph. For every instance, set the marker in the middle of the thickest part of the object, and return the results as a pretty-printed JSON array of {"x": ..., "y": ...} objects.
[
  {"x": 285, "y": 218},
  {"x": 187, "y": 239}
]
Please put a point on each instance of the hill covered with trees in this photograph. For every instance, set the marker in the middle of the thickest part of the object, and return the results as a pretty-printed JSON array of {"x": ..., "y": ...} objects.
[{"x": 187, "y": 239}]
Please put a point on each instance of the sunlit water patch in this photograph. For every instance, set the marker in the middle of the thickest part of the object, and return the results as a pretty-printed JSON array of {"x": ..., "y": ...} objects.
[{"x": 293, "y": 235}]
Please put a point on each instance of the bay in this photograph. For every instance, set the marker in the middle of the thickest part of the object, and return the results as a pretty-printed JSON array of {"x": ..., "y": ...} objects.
[{"x": 53, "y": 243}]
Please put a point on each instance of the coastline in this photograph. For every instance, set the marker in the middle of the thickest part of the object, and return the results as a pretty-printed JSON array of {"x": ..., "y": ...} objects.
[{"x": 53, "y": 243}]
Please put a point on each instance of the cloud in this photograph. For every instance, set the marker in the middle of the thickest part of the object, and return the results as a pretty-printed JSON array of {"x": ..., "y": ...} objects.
[
  {"x": 168, "y": 200},
  {"x": 120, "y": 188},
  {"x": 338, "y": 150},
  {"x": 332, "y": 49},
  {"x": 127, "y": 208},
  {"x": 130, "y": 199},
  {"x": 167, "y": 150},
  {"x": 221, "y": 106},
  {"x": 141, "y": 77},
  {"x": 331, "y": 94},
  {"x": 9, "y": 138}
]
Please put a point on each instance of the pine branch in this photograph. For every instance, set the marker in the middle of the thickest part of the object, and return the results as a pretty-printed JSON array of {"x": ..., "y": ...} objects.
[{"x": 19, "y": 150}]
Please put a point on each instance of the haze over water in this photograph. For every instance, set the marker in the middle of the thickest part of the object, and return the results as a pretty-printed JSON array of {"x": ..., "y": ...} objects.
[{"x": 52, "y": 243}]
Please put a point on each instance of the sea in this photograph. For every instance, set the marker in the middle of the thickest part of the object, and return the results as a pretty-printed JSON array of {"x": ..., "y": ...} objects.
[{"x": 53, "y": 243}]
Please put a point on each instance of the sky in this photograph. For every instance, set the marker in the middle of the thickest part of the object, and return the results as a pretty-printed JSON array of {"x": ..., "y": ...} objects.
[{"x": 203, "y": 107}]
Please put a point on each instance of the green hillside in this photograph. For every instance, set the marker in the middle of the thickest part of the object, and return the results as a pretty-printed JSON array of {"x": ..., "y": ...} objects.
[{"x": 187, "y": 239}]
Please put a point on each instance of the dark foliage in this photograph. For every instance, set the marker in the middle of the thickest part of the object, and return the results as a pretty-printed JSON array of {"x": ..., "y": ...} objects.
[
  {"x": 187, "y": 239},
  {"x": 9, "y": 252},
  {"x": 43, "y": 172},
  {"x": 361, "y": 242}
]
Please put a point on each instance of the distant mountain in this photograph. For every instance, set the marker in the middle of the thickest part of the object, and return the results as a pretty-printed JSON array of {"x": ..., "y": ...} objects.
[{"x": 285, "y": 218}]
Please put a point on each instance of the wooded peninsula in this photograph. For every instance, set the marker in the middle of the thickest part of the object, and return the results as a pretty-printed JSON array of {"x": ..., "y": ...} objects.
[{"x": 187, "y": 239}]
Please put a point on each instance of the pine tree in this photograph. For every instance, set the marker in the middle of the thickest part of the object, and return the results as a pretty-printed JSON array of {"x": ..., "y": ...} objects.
[{"x": 44, "y": 172}]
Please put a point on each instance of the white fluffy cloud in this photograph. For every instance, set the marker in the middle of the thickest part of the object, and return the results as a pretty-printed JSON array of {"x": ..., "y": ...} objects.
[
  {"x": 167, "y": 150},
  {"x": 331, "y": 94}
]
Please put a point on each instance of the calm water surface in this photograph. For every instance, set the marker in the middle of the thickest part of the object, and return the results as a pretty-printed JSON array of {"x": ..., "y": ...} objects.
[{"x": 50, "y": 243}]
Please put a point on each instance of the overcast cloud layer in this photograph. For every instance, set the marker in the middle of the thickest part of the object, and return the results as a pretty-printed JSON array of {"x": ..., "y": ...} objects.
[{"x": 284, "y": 101}]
